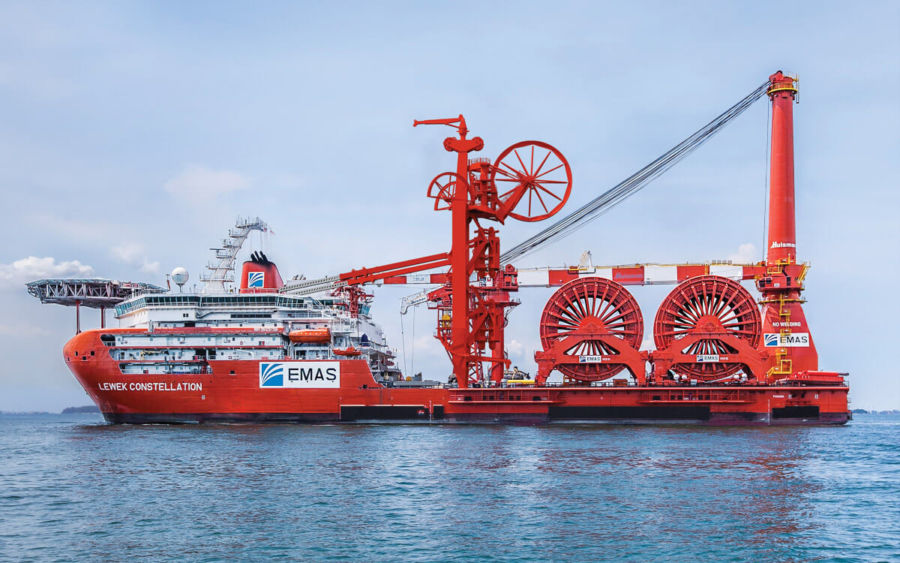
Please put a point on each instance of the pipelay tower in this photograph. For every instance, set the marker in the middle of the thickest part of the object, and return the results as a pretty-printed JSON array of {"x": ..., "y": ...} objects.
[{"x": 308, "y": 350}]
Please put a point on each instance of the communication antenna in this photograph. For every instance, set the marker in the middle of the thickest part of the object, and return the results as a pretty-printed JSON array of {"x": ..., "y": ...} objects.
[{"x": 180, "y": 277}]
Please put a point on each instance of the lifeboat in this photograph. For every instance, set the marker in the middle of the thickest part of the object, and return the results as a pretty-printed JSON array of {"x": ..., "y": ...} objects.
[
  {"x": 351, "y": 351},
  {"x": 310, "y": 335}
]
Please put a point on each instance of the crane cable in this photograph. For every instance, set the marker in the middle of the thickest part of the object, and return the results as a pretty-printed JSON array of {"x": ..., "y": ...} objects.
[
  {"x": 765, "y": 221},
  {"x": 615, "y": 195}
]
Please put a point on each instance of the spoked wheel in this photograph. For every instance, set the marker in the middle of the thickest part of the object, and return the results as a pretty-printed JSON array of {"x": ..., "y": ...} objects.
[
  {"x": 709, "y": 307},
  {"x": 595, "y": 306},
  {"x": 442, "y": 188},
  {"x": 534, "y": 178}
]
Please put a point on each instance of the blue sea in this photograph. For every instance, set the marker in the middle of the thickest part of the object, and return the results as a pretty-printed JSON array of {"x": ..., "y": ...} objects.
[{"x": 74, "y": 488}]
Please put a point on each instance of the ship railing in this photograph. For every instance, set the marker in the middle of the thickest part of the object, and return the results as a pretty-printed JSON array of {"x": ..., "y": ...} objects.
[
  {"x": 341, "y": 327},
  {"x": 695, "y": 395},
  {"x": 181, "y": 367},
  {"x": 530, "y": 395}
]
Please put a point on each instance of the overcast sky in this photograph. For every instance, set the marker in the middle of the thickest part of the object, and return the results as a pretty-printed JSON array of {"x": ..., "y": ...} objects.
[{"x": 132, "y": 135}]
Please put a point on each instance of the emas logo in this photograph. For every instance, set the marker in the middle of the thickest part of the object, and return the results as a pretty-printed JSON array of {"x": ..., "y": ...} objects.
[
  {"x": 256, "y": 279},
  {"x": 300, "y": 375},
  {"x": 706, "y": 358},
  {"x": 271, "y": 375},
  {"x": 792, "y": 340},
  {"x": 590, "y": 359}
]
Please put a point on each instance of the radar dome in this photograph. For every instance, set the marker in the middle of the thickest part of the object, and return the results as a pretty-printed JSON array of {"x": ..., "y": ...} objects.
[{"x": 180, "y": 276}]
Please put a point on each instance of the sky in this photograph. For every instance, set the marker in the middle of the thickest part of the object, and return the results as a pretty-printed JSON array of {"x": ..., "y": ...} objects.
[{"x": 132, "y": 134}]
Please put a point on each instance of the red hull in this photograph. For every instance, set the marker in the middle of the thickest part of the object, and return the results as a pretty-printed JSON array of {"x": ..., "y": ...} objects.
[{"x": 232, "y": 392}]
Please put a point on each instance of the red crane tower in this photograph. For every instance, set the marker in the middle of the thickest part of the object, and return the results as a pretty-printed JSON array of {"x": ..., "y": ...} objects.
[
  {"x": 785, "y": 332},
  {"x": 529, "y": 181}
]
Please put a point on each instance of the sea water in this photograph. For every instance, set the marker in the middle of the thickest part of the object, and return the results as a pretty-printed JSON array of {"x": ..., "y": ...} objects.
[{"x": 74, "y": 488}]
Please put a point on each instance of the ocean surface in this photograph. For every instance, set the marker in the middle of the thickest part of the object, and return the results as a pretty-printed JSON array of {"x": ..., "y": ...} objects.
[{"x": 74, "y": 488}]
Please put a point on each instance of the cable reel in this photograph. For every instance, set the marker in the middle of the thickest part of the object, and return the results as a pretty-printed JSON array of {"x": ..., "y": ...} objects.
[
  {"x": 591, "y": 329},
  {"x": 707, "y": 329}
]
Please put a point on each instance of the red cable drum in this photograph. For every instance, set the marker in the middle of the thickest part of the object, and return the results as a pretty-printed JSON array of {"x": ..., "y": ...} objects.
[
  {"x": 592, "y": 318},
  {"x": 699, "y": 317}
]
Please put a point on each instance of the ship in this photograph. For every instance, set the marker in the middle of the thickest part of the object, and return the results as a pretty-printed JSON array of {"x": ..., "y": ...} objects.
[{"x": 259, "y": 349}]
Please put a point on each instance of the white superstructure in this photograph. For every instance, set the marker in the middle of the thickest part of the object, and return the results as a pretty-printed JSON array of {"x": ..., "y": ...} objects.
[{"x": 181, "y": 333}]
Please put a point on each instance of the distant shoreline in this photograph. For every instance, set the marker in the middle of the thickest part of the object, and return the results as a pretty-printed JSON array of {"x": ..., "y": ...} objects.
[{"x": 86, "y": 409}]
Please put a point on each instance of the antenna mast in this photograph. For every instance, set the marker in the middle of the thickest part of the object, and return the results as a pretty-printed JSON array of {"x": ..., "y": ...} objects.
[{"x": 221, "y": 270}]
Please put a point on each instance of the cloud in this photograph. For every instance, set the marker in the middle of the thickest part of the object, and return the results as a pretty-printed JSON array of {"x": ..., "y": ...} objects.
[
  {"x": 128, "y": 252},
  {"x": 135, "y": 254},
  {"x": 33, "y": 268},
  {"x": 150, "y": 267},
  {"x": 429, "y": 345},
  {"x": 197, "y": 184},
  {"x": 746, "y": 254}
]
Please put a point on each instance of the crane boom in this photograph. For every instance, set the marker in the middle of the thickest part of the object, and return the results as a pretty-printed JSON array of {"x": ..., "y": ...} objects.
[{"x": 629, "y": 186}]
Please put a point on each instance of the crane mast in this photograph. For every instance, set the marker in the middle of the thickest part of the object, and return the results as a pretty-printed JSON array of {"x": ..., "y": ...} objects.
[{"x": 786, "y": 333}]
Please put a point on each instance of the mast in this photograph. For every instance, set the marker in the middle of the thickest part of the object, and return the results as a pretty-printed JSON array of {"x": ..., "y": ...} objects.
[
  {"x": 786, "y": 336},
  {"x": 221, "y": 270}
]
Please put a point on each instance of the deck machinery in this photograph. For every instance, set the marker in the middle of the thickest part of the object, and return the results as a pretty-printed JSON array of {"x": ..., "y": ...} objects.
[
  {"x": 709, "y": 332},
  {"x": 708, "y": 329}
]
